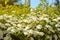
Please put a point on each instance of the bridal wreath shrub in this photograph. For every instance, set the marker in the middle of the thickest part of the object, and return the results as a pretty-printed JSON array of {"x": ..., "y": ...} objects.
[{"x": 31, "y": 26}]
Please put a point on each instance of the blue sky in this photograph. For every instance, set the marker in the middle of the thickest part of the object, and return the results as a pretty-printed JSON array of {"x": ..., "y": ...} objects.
[{"x": 34, "y": 3}]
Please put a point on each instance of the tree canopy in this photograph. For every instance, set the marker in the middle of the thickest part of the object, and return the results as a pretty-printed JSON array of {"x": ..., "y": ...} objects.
[{"x": 7, "y": 2}]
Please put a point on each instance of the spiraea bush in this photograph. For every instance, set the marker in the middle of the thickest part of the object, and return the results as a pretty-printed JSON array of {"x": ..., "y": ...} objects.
[
  {"x": 19, "y": 23},
  {"x": 32, "y": 26}
]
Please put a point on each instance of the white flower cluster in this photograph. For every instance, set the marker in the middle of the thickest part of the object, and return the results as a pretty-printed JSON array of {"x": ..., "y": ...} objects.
[{"x": 32, "y": 24}]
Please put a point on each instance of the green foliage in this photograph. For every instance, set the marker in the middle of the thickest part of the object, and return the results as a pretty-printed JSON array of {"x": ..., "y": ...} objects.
[
  {"x": 7, "y": 2},
  {"x": 14, "y": 10},
  {"x": 48, "y": 9}
]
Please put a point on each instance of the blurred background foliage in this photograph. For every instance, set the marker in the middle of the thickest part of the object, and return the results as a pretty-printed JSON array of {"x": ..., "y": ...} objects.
[
  {"x": 10, "y": 7},
  {"x": 45, "y": 8}
]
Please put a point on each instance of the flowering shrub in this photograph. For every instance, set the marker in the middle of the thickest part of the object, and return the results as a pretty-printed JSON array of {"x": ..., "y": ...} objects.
[{"x": 31, "y": 26}]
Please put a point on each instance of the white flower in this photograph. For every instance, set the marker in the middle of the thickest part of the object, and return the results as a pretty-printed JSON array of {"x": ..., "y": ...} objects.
[
  {"x": 55, "y": 20},
  {"x": 38, "y": 33},
  {"x": 2, "y": 26},
  {"x": 10, "y": 28},
  {"x": 29, "y": 21},
  {"x": 58, "y": 29},
  {"x": 41, "y": 18},
  {"x": 7, "y": 24},
  {"x": 55, "y": 36},
  {"x": 30, "y": 31},
  {"x": 27, "y": 27},
  {"x": 19, "y": 21},
  {"x": 31, "y": 38},
  {"x": 8, "y": 21},
  {"x": 58, "y": 18},
  {"x": 45, "y": 18},
  {"x": 10, "y": 16},
  {"x": 25, "y": 33},
  {"x": 48, "y": 26},
  {"x": 13, "y": 30},
  {"x": 57, "y": 25},
  {"x": 5, "y": 15},
  {"x": 7, "y": 38},
  {"x": 19, "y": 29},
  {"x": 14, "y": 24},
  {"x": 19, "y": 25},
  {"x": 39, "y": 26},
  {"x": 41, "y": 33},
  {"x": 33, "y": 18},
  {"x": 1, "y": 17},
  {"x": 51, "y": 29},
  {"x": 25, "y": 20},
  {"x": 58, "y": 22}
]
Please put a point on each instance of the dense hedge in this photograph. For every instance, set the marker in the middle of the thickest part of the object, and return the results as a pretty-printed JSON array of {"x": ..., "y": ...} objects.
[
  {"x": 19, "y": 23},
  {"x": 31, "y": 26}
]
